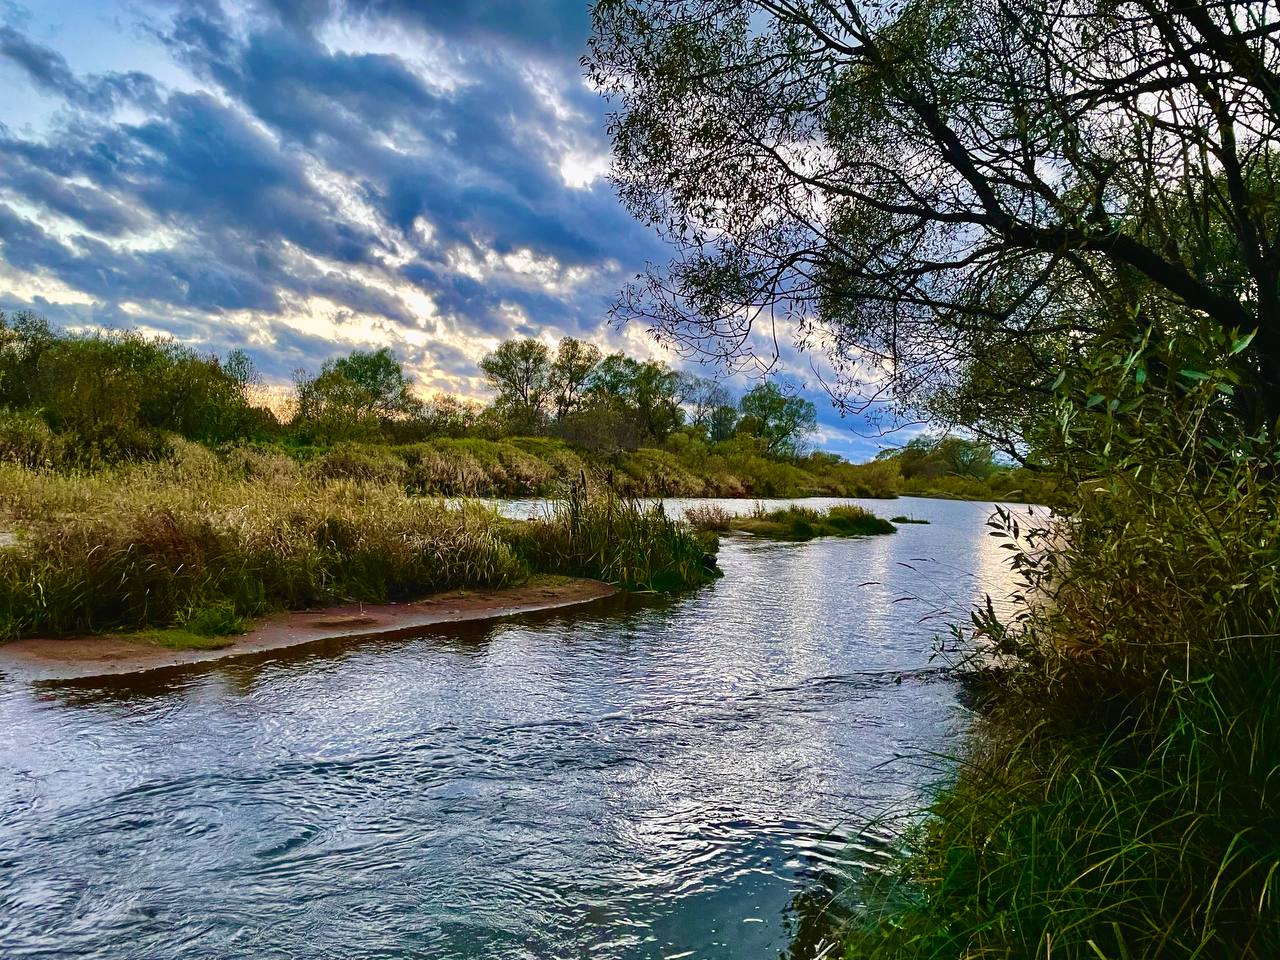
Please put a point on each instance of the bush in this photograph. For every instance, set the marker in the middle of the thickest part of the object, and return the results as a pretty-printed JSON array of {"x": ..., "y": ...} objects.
[
  {"x": 361, "y": 464},
  {"x": 1118, "y": 800},
  {"x": 27, "y": 440},
  {"x": 709, "y": 517}
]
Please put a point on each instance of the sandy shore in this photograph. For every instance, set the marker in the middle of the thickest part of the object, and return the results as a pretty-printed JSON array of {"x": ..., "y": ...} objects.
[{"x": 107, "y": 654}]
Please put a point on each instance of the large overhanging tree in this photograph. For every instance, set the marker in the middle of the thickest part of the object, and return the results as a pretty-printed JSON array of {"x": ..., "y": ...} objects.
[{"x": 951, "y": 192}]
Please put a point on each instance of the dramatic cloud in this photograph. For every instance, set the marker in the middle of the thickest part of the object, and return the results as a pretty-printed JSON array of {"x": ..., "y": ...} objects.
[{"x": 306, "y": 176}]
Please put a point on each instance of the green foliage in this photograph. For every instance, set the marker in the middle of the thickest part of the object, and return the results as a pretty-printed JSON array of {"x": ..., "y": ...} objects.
[
  {"x": 352, "y": 397},
  {"x": 519, "y": 371},
  {"x": 784, "y": 423},
  {"x": 806, "y": 523},
  {"x": 215, "y": 619},
  {"x": 570, "y": 374},
  {"x": 646, "y": 393},
  {"x": 619, "y": 540},
  {"x": 26, "y": 439},
  {"x": 1119, "y": 800},
  {"x": 964, "y": 469},
  {"x": 115, "y": 396}
]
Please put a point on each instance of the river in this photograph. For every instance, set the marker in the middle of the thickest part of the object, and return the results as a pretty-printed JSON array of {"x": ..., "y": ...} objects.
[{"x": 647, "y": 778}]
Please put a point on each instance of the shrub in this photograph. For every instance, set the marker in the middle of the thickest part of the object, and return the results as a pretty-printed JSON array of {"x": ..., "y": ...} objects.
[
  {"x": 709, "y": 517},
  {"x": 27, "y": 440},
  {"x": 362, "y": 464},
  {"x": 1118, "y": 800}
]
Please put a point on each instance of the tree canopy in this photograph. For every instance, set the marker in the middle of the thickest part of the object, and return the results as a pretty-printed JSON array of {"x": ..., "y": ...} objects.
[
  {"x": 353, "y": 394},
  {"x": 952, "y": 196},
  {"x": 783, "y": 422}
]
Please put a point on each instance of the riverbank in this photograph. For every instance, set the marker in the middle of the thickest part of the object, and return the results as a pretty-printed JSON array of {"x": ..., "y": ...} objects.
[
  {"x": 190, "y": 548},
  {"x": 1117, "y": 796},
  {"x": 45, "y": 658}
]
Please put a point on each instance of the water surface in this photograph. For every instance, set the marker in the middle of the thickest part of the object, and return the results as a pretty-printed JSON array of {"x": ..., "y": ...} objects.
[{"x": 647, "y": 778}]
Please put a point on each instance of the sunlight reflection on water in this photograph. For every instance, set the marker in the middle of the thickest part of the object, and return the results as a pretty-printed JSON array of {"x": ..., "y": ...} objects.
[{"x": 639, "y": 779}]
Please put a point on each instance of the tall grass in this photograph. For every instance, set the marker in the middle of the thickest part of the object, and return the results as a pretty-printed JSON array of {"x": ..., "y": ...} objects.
[
  {"x": 710, "y": 517},
  {"x": 157, "y": 545},
  {"x": 1120, "y": 797},
  {"x": 619, "y": 540}
]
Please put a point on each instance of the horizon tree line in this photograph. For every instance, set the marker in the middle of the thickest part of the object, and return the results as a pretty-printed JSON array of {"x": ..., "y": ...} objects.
[{"x": 116, "y": 394}]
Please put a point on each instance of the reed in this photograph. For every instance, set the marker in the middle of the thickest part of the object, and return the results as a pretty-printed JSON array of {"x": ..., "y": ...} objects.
[
  {"x": 709, "y": 517},
  {"x": 1119, "y": 798},
  {"x": 617, "y": 539}
]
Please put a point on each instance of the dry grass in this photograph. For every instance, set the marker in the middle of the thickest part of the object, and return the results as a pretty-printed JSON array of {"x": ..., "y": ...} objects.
[
  {"x": 160, "y": 545},
  {"x": 710, "y": 517}
]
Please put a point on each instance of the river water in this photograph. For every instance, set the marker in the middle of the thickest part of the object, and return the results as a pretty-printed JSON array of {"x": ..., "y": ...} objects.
[{"x": 647, "y": 778}]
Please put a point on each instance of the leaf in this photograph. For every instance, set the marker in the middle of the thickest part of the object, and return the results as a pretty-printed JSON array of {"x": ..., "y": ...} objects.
[
  {"x": 1094, "y": 400},
  {"x": 1241, "y": 342},
  {"x": 1194, "y": 374}
]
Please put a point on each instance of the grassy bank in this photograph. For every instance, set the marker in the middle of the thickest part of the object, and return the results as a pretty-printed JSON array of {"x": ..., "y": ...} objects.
[
  {"x": 792, "y": 523},
  {"x": 539, "y": 466},
  {"x": 196, "y": 545},
  {"x": 1118, "y": 798}
]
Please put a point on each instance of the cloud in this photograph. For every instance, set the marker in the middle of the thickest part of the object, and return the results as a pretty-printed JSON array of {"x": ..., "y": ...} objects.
[
  {"x": 549, "y": 28},
  {"x": 48, "y": 71},
  {"x": 313, "y": 172}
]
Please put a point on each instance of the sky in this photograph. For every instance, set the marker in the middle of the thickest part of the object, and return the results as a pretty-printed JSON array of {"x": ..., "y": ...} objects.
[{"x": 301, "y": 178}]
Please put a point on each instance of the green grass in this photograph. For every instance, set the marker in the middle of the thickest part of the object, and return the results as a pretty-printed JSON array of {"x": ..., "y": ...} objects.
[
  {"x": 1120, "y": 796},
  {"x": 617, "y": 540},
  {"x": 1067, "y": 837},
  {"x": 177, "y": 638},
  {"x": 901, "y": 519},
  {"x": 805, "y": 523}
]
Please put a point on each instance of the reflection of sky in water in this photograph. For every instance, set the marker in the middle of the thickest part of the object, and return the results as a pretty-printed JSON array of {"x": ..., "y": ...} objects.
[{"x": 638, "y": 780}]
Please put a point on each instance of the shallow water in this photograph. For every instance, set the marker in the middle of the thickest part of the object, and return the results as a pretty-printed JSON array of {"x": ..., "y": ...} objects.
[{"x": 647, "y": 778}]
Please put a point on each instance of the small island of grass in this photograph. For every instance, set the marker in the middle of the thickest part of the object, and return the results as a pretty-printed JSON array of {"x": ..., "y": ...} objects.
[
  {"x": 902, "y": 519},
  {"x": 792, "y": 522}
]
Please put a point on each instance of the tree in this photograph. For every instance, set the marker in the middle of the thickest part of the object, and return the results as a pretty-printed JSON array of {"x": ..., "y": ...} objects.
[
  {"x": 570, "y": 374},
  {"x": 783, "y": 422},
  {"x": 722, "y": 423},
  {"x": 520, "y": 373},
  {"x": 118, "y": 392},
  {"x": 938, "y": 456},
  {"x": 356, "y": 394},
  {"x": 936, "y": 188},
  {"x": 382, "y": 388},
  {"x": 702, "y": 396},
  {"x": 647, "y": 391}
]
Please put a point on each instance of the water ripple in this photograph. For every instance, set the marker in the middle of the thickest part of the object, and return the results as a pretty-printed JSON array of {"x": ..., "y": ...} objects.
[{"x": 650, "y": 779}]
